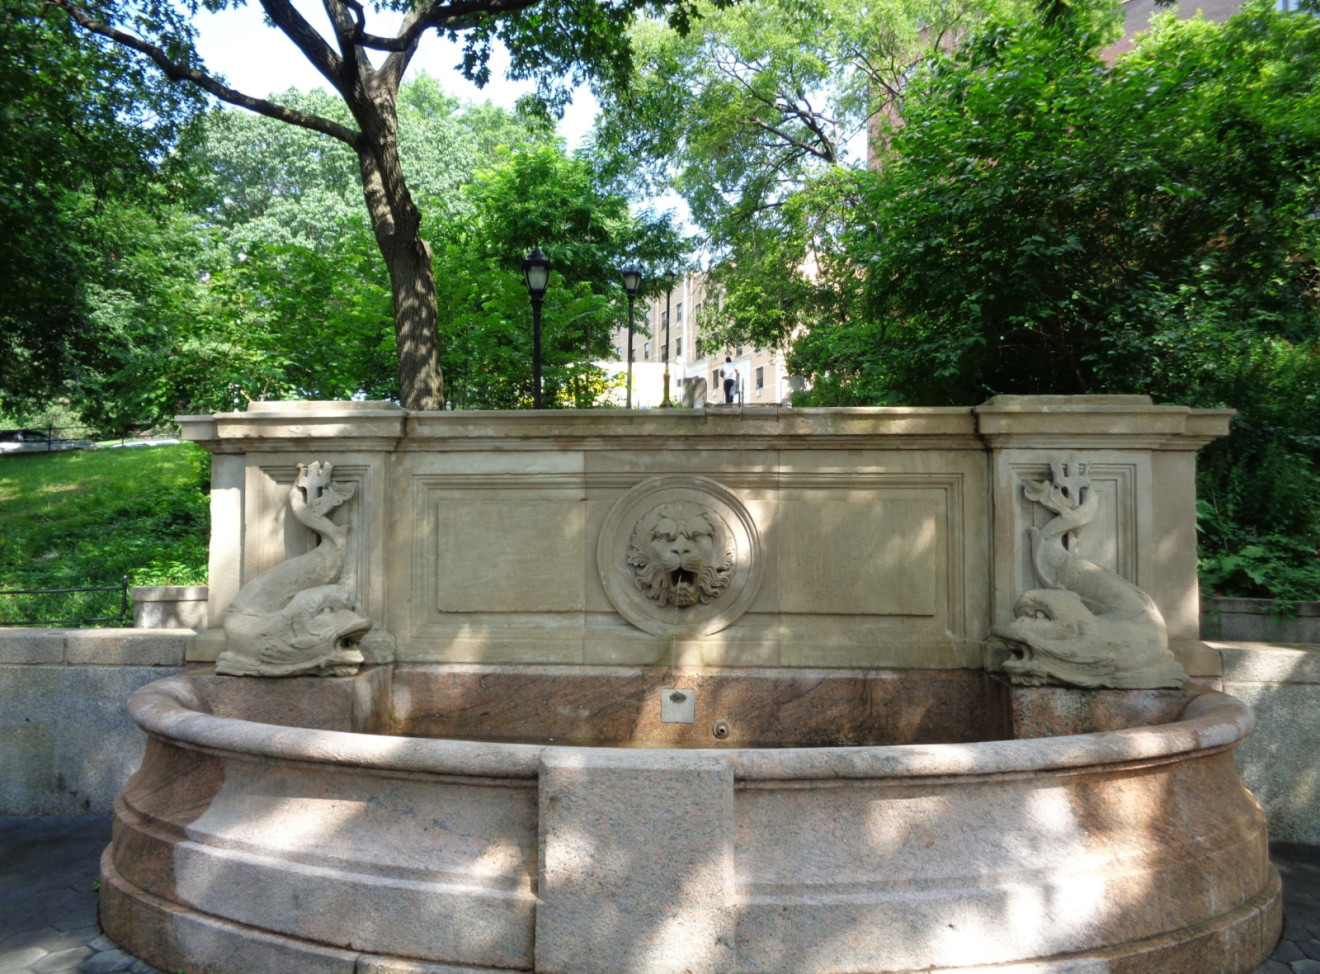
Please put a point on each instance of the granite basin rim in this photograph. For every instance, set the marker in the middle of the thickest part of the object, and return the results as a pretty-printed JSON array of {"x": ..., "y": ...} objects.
[{"x": 169, "y": 708}]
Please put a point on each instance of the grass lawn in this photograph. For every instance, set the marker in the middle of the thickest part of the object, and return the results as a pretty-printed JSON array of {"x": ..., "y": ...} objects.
[{"x": 88, "y": 517}]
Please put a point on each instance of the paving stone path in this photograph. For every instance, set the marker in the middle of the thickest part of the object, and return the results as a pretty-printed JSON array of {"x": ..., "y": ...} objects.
[{"x": 49, "y": 868}]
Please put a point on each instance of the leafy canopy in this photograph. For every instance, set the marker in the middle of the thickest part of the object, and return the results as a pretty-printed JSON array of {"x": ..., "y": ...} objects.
[
  {"x": 742, "y": 114},
  {"x": 83, "y": 126},
  {"x": 545, "y": 199},
  {"x": 1047, "y": 222},
  {"x": 560, "y": 43}
]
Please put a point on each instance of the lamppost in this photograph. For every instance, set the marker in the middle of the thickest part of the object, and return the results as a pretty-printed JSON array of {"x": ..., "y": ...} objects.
[
  {"x": 536, "y": 275},
  {"x": 669, "y": 293},
  {"x": 632, "y": 280}
]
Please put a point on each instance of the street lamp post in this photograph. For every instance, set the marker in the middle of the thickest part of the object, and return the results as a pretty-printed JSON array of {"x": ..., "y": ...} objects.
[
  {"x": 669, "y": 294},
  {"x": 632, "y": 280},
  {"x": 536, "y": 275}
]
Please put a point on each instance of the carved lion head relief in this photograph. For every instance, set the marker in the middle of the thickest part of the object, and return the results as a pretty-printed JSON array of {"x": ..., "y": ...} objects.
[{"x": 681, "y": 554}]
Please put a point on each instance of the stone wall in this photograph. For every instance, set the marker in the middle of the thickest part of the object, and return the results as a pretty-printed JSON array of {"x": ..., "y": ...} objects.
[
  {"x": 169, "y": 606},
  {"x": 67, "y": 743},
  {"x": 869, "y": 537},
  {"x": 1278, "y": 761},
  {"x": 1257, "y": 621}
]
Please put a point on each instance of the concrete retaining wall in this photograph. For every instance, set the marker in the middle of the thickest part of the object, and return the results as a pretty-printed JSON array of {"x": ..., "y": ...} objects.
[
  {"x": 170, "y": 606},
  {"x": 68, "y": 744},
  {"x": 1278, "y": 762},
  {"x": 1256, "y": 621}
]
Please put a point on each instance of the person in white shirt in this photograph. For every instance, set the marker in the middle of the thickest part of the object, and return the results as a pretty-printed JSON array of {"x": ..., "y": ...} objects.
[{"x": 729, "y": 373}]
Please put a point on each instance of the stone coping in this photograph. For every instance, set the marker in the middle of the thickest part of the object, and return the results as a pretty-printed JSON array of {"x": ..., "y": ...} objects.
[
  {"x": 167, "y": 593},
  {"x": 1081, "y": 421},
  {"x": 94, "y": 647},
  {"x": 1256, "y": 662},
  {"x": 174, "y": 709}
]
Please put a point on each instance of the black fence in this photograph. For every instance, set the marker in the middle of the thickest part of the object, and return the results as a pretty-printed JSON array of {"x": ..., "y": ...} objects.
[
  {"x": 50, "y": 439},
  {"x": 121, "y": 588}
]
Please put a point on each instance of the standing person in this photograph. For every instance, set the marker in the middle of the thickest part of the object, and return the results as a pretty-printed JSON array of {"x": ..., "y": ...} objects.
[{"x": 729, "y": 373}]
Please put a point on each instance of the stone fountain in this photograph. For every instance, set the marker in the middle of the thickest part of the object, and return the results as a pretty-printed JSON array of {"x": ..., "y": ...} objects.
[{"x": 680, "y": 691}]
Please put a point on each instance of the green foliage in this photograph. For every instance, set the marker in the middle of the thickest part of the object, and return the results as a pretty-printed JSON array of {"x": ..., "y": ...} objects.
[
  {"x": 540, "y": 198},
  {"x": 1046, "y": 222},
  {"x": 559, "y": 43},
  {"x": 488, "y": 333},
  {"x": 548, "y": 199},
  {"x": 81, "y": 125},
  {"x": 753, "y": 116},
  {"x": 145, "y": 289},
  {"x": 311, "y": 323},
  {"x": 86, "y": 518},
  {"x": 275, "y": 184},
  {"x": 271, "y": 183},
  {"x": 270, "y": 284}
]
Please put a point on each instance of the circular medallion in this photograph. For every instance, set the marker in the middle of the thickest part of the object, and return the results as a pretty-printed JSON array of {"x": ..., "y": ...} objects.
[{"x": 679, "y": 556}]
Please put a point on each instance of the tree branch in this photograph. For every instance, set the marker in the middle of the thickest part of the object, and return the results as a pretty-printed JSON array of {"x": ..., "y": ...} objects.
[
  {"x": 397, "y": 63},
  {"x": 346, "y": 27},
  {"x": 454, "y": 16},
  {"x": 182, "y": 72},
  {"x": 787, "y": 109},
  {"x": 824, "y": 154},
  {"x": 305, "y": 37}
]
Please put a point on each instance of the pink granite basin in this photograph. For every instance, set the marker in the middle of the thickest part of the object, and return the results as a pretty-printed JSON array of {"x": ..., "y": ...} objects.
[{"x": 803, "y": 821}]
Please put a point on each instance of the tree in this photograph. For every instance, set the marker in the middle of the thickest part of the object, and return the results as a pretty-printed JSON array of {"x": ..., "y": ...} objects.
[
  {"x": 270, "y": 284},
  {"x": 1050, "y": 223},
  {"x": 266, "y": 182},
  {"x": 558, "y": 42},
  {"x": 541, "y": 198},
  {"x": 82, "y": 128},
  {"x": 747, "y": 110}
]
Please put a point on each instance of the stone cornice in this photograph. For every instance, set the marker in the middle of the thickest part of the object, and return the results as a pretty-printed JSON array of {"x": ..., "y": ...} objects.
[
  {"x": 1005, "y": 422},
  {"x": 1096, "y": 423}
]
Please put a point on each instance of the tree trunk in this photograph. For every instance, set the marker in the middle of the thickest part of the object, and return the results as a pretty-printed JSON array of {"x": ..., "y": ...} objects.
[{"x": 396, "y": 222}]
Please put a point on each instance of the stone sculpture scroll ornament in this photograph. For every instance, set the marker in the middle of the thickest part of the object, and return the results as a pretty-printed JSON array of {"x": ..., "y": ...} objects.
[
  {"x": 1090, "y": 627},
  {"x": 294, "y": 620}
]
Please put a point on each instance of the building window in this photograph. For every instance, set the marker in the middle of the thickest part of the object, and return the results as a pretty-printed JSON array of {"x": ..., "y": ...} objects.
[
  {"x": 760, "y": 379},
  {"x": 678, "y": 347},
  {"x": 678, "y": 314},
  {"x": 646, "y": 352}
]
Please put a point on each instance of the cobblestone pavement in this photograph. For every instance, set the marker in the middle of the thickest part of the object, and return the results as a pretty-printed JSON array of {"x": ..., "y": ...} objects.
[{"x": 49, "y": 868}]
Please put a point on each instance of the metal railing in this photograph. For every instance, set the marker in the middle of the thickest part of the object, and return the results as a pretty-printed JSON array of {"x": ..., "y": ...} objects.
[
  {"x": 57, "y": 438},
  {"x": 121, "y": 588}
]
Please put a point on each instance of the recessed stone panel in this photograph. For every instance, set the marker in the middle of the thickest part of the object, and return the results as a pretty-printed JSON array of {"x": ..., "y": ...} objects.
[
  {"x": 511, "y": 554},
  {"x": 864, "y": 553}
]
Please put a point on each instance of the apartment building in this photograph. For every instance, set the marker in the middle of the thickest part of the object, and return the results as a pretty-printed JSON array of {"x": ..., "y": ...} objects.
[{"x": 694, "y": 379}]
